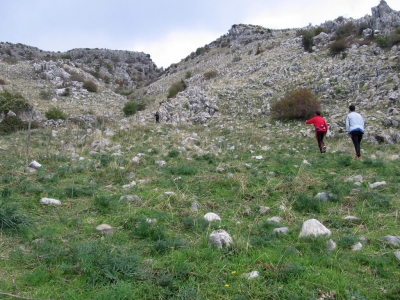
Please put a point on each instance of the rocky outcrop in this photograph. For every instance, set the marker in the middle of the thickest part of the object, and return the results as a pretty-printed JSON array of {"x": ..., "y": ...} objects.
[{"x": 384, "y": 18}]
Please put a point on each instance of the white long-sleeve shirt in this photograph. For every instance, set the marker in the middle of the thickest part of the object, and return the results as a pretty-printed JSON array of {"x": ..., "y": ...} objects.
[{"x": 354, "y": 122}]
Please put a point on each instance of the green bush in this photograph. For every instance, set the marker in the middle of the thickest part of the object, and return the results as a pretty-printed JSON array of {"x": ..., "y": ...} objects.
[
  {"x": 318, "y": 30},
  {"x": 130, "y": 108},
  {"x": 11, "y": 219},
  {"x": 395, "y": 37},
  {"x": 46, "y": 94},
  {"x": 307, "y": 40},
  {"x": 13, "y": 101},
  {"x": 338, "y": 47},
  {"x": 55, "y": 114},
  {"x": 90, "y": 85},
  {"x": 210, "y": 74},
  {"x": 382, "y": 41},
  {"x": 345, "y": 30},
  {"x": 175, "y": 88},
  {"x": 12, "y": 124},
  {"x": 296, "y": 104}
]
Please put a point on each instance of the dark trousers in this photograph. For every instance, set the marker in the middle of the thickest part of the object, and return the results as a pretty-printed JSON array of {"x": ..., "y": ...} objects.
[
  {"x": 356, "y": 137},
  {"x": 320, "y": 139}
]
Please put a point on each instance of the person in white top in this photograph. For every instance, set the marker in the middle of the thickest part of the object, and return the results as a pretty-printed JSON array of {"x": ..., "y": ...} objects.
[{"x": 355, "y": 129}]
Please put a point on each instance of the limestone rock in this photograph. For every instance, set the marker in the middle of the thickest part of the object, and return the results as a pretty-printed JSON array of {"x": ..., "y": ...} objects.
[
  {"x": 212, "y": 217},
  {"x": 281, "y": 230},
  {"x": 105, "y": 229},
  {"x": 356, "y": 247},
  {"x": 313, "y": 227},
  {"x": 376, "y": 184},
  {"x": 34, "y": 164},
  {"x": 220, "y": 238},
  {"x": 331, "y": 245},
  {"x": 390, "y": 239},
  {"x": 50, "y": 201},
  {"x": 264, "y": 209},
  {"x": 251, "y": 275}
]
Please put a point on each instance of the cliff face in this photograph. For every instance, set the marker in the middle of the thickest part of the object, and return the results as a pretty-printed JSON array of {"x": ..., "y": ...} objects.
[{"x": 251, "y": 66}]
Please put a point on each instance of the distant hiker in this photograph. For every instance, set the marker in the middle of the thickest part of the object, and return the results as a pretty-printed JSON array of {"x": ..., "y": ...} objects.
[
  {"x": 355, "y": 129},
  {"x": 157, "y": 115},
  {"x": 321, "y": 128}
]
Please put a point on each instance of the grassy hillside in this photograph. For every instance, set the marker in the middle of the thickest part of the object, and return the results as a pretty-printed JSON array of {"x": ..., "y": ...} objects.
[{"x": 159, "y": 247}]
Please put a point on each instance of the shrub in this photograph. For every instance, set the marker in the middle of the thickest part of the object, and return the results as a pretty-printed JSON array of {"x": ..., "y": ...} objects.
[
  {"x": 188, "y": 74},
  {"x": 14, "y": 102},
  {"x": 67, "y": 92},
  {"x": 395, "y": 37},
  {"x": 77, "y": 77},
  {"x": 90, "y": 85},
  {"x": 345, "y": 31},
  {"x": 296, "y": 104},
  {"x": 210, "y": 74},
  {"x": 12, "y": 124},
  {"x": 2, "y": 81},
  {"x": 10, "y": 219},
  {"x": 46, "y": 94},
  {"x": 175, "y": 88},
  {"x": 337, "y": 47},
  {"x": 55, "y": 114},
  {"x": 307, "y": 40},
  {"x": 66, "y": 56},
  {"x": 361, "y": 27},
  {"x": 130, "y": 108},
  {"x": 318, "y": 30}
]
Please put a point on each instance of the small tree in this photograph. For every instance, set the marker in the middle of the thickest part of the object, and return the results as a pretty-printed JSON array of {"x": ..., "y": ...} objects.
[
  {"x": 130, "y": 108},
  {"x": 297, "y": 104},
  {"x": 307, "y": 39}
]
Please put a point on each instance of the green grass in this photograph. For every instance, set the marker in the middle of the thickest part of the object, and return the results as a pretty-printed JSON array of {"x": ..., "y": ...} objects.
[{"x": 159, "y": 247}]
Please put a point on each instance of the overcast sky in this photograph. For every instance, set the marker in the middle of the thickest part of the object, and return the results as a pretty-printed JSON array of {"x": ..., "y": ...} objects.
[{"x": 168, "y": 30}]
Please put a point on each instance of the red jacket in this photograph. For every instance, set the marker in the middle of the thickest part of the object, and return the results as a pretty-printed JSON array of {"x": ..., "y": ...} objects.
[{"x": 319, "y": 124}]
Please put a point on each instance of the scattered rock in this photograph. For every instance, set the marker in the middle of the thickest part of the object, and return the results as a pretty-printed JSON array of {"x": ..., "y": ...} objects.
[
  {"x": 251, "y": 275},
  {"x": 34, "y": 164},
  {"x": 356, "y": 247},
  {"x": 350, "y": 218},
  {"x": 130, "y": 198},
  {"x": 331, "y": 245},
  {"x": 194, "y": 206},
  {"x": 281, "y": 230},
  {"x": 50, "y": 201},
  {"x": 105, "y": 229},
  {"x": 127, "y": 186},
  {"x": 322, "y": 196},
  {"x": 211, "y": 217},
  {"x": 313, "y": 227},
  {"x": 376, "y": 184},
  {"x": 220, "y": 238},
  {"x": 275, "y": 219},
  {"x": 390, "y": 239},
  {"x": 264, "y": 209}
]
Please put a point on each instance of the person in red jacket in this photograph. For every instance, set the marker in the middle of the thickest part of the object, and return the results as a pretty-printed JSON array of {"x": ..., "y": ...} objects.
[{"x": 321, "y": 128}]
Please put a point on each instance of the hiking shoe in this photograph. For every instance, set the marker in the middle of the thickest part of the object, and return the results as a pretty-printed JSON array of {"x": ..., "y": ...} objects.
[{"x": 324, "y": 149}]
